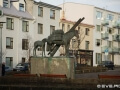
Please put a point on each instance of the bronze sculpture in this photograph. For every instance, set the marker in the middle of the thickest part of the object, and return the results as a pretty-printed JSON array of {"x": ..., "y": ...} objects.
[
  {"x": 39, "y": 44},
  {"x": 58, "y": 38}
]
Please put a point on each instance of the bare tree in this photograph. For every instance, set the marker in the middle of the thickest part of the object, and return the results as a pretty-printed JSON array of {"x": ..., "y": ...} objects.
[
  {"x": 3, "y": 54},
  {"x": 81, "y": 37},
  {"x": 77, "y": 41},
  {"x": 30, "y": 46}
]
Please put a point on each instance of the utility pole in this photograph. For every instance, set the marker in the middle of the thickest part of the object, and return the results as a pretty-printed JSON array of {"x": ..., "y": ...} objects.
[{"x": 1, "y": 26}]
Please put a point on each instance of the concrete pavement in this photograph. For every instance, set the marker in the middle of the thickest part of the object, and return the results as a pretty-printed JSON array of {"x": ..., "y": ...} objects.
[{"x": 116, "y": 71}]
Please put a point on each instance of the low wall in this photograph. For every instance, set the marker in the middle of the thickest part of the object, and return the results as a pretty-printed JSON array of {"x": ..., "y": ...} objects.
[
  {"x": 53, "y": 65},
  {"x": 38, "y": 83}
]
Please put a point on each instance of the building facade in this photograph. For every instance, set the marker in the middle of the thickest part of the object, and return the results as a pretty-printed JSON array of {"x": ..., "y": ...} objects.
[
  {"x": 105, "y": 34},
  {"x": 26, "y": 22}
]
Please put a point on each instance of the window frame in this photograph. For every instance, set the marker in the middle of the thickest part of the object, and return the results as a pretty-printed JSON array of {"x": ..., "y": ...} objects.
[
  {"x": 40, "y": 11},
  {"x": 21, "y": 7},
  {"x": 26, "y": 26},
  {"x": 98, "y": 15},
  {"x": 11, "y": 62},
  {"x": 52, "y": 28},
  {"x": 11, "y": 43},
  {"x": 24, "y": 44},
  {"x": 40, "y": 28},
  {"x": 11, "y": 23},
  {"x": 98, "y": 29},
  {"x": 98, "y": 42},
  {"x": 5, "y": 3},
  {"x": 87, "y": 31},
  {"x": 110, "y": 17},
  {"x": 87, "y": 44},
  {"x": 97, "y": 61},
  {"x": 52, "y": 14}
]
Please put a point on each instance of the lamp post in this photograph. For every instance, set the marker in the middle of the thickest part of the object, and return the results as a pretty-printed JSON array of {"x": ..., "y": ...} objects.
[{"x": 1, "y": 26}]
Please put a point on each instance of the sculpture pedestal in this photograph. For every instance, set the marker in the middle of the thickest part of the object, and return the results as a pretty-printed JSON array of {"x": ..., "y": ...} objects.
[{"x": 53, "y": 65}]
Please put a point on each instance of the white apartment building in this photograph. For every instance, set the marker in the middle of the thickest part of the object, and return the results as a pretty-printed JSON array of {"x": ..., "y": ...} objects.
[
  {"x": 106, "y": 35},
  {"x": 24, "y": 25}
]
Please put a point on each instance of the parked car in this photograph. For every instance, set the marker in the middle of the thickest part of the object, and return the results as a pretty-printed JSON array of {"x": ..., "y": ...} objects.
[
  {"x": 108, "y": 64},
  {"x": 8, "y": 69},
  {"x": 21, "y": 67}
]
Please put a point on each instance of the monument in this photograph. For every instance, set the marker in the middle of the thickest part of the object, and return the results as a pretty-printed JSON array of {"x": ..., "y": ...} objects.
[{"x": 55, "y": 65}]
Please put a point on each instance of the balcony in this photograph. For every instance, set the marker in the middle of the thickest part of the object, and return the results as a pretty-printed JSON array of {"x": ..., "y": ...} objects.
[
  {"x": 105, "y": 22},
  {"x": 106, "y": 48},
  {"x": 116, "y": 24},
  {"x": 115, "y": 50},
  {"x": 116, "y": 37},
  {"x": 105, "y": 35}
]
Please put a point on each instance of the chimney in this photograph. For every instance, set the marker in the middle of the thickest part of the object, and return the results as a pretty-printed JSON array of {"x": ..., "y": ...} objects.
[{"x": 29, "y": 6}]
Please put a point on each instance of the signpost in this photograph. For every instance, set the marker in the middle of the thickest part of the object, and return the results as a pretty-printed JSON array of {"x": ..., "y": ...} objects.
[{"x": 106, "y": 53}]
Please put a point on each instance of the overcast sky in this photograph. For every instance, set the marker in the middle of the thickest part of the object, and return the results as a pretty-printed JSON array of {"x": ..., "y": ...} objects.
[{"x": 112, "y": 5}]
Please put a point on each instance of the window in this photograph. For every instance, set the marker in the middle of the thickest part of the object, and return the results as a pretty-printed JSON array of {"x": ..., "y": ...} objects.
[
  {"x": 118, "y": 18},
  {"x": 25, "y": 44},
  {"x": 99, "y": 15},
  {"x": 98, "y": 58},
  {"x": 5, "y": 3},
  {"x": 86, "y": 31},
  {"x": 109, "y": 30},
  {"x": 110, "y": 17},
  {"x": 68, "y": 27},
  {"x": 40, "y": 11},
  {"x": 23, "y": 60},
  {"x": 52, "y": 28},
  {"x": 63, "y": 27},
  {"x": 40, "y": 28},
  {"x": 10, "y": 23},
  {"x": 52, "y": 14},
  {"x": 119, "y": 44},
  {"x": 25, "y": 26},
  {"x": 74, "y": 45},
  {"x": 9, "y": 61},
  {"x": 9, "y": 42},
  {"x": 118, "y": 31},
  {"x": 87, "y": 45},
  {"x": 21, "y": 7},
  {"x": 98, "y": 27},
  {"x": 98, "y": 42},
  {"x": 110, "y": 44},
  {"x": 79, "y": 30}
]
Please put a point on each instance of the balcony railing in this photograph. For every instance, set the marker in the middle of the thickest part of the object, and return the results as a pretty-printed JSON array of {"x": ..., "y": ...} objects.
[
  {"x": 110, "y": 49},
  {"x": 105, "y": 35},
  {"x": 105, "y": 22},
  {"x": 116, "y": 24},
  {"x": 116, "y": 37},
  {"x": 115, "y": 50}
]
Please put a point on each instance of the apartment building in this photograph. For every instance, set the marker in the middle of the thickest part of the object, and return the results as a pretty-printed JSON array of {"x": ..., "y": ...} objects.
[
  {"x": 106, "y": 34},
  {"x": 81, "y": 45},
  {"x": 46, "y": 19},
  {"x": 26, "y": 22}
]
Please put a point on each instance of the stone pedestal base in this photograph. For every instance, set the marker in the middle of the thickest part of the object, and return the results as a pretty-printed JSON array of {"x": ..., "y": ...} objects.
[{"x": 53, "y": 65}]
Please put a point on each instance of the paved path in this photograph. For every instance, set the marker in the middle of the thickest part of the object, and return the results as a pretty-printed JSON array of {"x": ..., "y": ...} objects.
[{"x": 116, "y": 71}]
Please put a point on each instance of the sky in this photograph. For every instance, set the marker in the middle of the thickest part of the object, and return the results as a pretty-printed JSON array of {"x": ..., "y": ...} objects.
[{"x": 112, "y": 5}]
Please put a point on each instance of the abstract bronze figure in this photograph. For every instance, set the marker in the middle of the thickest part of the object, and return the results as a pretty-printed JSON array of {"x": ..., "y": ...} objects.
[
  {"x": 58, "y": 38},
  {"x": 39, "y": 44}
]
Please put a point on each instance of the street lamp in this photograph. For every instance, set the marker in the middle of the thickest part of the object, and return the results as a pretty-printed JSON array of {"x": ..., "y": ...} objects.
[{"x": 1, "y": 26}]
